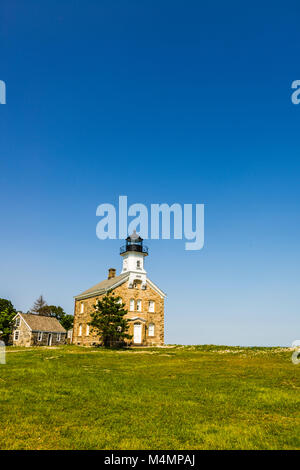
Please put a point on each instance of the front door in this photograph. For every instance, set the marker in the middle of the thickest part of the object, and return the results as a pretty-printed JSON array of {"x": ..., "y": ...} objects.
[
  {"x": 137, "y": 333},
  {"x": 49, "y": 339}
]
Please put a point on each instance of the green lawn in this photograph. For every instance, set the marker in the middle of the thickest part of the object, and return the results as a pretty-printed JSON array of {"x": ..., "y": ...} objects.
[{"x": 203, "y": 397}]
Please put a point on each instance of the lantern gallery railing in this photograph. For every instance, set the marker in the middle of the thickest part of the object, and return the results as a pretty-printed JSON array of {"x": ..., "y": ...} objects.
[{"x": 134, "y": 247}]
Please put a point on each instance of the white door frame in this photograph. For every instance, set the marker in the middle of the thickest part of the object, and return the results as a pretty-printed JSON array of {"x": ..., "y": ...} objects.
[
  {"x": 137, "y": 333},
  {"x": 49, "y": 339}
]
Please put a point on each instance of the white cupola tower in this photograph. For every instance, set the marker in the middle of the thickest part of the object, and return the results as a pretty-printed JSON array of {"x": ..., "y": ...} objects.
[{"x": 133, "y": 254}]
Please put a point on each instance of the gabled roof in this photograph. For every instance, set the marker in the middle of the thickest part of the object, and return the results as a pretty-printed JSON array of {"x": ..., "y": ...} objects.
[
  {"x": 112, "y": 283},
  {"x": 156, "y": 288},
  {"x": 103, "y": 286},
  {"x": 42, "y": 323}
]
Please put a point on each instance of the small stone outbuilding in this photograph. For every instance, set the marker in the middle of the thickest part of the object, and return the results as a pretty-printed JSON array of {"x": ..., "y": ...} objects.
[{"x": 37, "y": 330}]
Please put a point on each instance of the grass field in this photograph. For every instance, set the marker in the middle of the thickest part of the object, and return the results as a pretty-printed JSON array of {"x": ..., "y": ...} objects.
[{"x": 203, "y": 397}]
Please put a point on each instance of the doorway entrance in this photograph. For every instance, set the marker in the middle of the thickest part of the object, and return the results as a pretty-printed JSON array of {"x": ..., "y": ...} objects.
[
  {"x": 137, "y": 333},
  {"x": 49, "y": 339}
]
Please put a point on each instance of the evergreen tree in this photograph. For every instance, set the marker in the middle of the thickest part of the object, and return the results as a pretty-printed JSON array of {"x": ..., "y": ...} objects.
[
  {"x": 108, "y": 321},
  {"x": 38, "y": 305}
]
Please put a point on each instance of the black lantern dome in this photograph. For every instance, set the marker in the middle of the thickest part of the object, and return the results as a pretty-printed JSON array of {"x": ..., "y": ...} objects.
[{"x": 134, "y": 243}]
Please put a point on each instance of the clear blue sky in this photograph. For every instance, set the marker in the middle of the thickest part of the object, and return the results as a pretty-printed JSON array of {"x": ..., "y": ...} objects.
[{"x": 163, "y": 101}]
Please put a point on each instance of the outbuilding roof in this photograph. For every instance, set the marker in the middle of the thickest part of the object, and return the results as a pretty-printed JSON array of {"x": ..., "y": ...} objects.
[{"x": 42, "y": 323}]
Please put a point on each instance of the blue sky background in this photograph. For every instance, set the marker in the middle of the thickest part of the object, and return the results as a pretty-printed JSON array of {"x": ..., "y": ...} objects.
[{"x": 163, "y": 101}]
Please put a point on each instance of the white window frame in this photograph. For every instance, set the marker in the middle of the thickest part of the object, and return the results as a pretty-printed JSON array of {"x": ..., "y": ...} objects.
[
  {"x": 18, "y": 322},
  {"x": 80, "y": 330},
  {"x": 82, "y": 307},
  {"x": 138, "y": 264},
  {"x": 17, "y": 332},
  {"x": 58, "y": 337},
  {"x": 151, "y": 307},
  {"x": 139, "y": 305},
  {"x": 87, "y": 330},
  {"x": 151, "y": 329},
  {"x": 131, "y": 305},
  {"x": 40, "y": 336}
]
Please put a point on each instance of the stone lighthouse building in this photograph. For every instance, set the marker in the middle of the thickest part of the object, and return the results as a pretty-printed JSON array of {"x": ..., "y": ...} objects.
[{"x": 143, "y": 299}]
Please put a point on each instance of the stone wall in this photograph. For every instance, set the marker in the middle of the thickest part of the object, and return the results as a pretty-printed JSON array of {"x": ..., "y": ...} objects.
[
  {"x": 157, "y": 317},
  {"x": 24, "y": 335},
  {"x": 45, "y": 339},
  {"x": 30, "y": 338}
]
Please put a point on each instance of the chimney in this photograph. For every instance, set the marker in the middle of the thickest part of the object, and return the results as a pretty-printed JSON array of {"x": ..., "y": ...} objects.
[{"x": 111, "y": 273}]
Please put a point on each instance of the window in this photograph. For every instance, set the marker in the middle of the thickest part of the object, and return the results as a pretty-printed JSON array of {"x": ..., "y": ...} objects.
[
  {"x": 40, "y": 336},
  {"x": 139, "y": 305},
  {"x": 131, "y": 305},
  {"x": 16, "y": 335},
  {"x": 87, "y": 331},
  {"x": 151, "y": 329},
  {"x": 151, "y": 306},
  {"x": 138, "y": 265},
  {"x": 58, "y": 337},
  {"x": 120, "y": 301},
  {"x": 80, "y": 330},
  {"x": 18, "y": 321},
  {"x": 81, "y": 307}
]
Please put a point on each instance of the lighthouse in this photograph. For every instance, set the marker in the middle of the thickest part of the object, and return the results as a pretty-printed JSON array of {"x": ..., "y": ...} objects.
[
  {"x": 133, "y": 254},
  {"x": 142, "y": 298}
]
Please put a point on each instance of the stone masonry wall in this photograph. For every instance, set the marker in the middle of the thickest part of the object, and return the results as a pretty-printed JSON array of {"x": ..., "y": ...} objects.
[
  {"x": 45, "y": 338},
  {"x": 157, "y": 317},
  {"x": 24, "y": 335}
]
